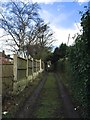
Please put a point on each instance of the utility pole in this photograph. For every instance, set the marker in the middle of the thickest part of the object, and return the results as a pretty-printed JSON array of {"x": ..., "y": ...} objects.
[
  {"x": 68, "y": 39},
  {"x": 89, "y": 6}
]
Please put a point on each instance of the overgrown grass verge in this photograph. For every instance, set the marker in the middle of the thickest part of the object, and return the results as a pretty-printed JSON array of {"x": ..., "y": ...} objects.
[
  {"x": 49, "y": 104},
  {"x": 12, "y": 104},
  {"x": 76, "y": 87}
]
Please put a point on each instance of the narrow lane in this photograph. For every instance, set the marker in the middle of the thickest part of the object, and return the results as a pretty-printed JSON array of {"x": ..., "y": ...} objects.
[
  {"x": 49, "y": 100},
  {"x": 49, "y": 104}
]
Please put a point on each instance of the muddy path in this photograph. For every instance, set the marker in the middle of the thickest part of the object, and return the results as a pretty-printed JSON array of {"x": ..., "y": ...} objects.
[
  {"x": 66, "y": 98},
  {"x": 49, "y": 100},
  {"x": 49, "y": 103},
  {"x": 27, "y": 108}
]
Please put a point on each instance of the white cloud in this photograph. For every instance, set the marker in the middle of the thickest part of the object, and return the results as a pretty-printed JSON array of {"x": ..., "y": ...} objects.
[
  {"x": 52, "y": 18},
  {"x": 47, "y": 16},
  {"x": 83, "y": 0},
  {"x": 61, "y": 34},
  {"x": 47, "y": 1},
  {"x": 39, "y": 1},
  {"x": 52, "y": 1}
]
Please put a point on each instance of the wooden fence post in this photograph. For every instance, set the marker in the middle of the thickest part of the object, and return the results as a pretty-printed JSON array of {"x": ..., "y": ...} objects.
[
  {"x": 40, "y": 65},
  {"x": 0, "y": 85},
  {"x": 15, "y": 67},
  {"x": 27, "y": 68},
  {"x": 1, "y": 74},
  {"x": 15, "y": 73},
  {"x": 32, "y": 67},
  {"x": 36, "y": 67}
]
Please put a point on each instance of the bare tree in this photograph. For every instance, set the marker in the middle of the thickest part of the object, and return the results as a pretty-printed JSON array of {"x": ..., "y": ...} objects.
[
  {"x": 18, "y": 20},
  {"x": 43, "y": 38}
]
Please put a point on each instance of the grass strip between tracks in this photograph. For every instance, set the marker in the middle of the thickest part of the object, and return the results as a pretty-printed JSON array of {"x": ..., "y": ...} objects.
[{"x": 49, "y": 103}]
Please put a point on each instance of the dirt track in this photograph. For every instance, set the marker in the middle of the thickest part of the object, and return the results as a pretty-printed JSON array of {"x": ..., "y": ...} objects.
[
  {"x": 29, "y": 108},
  {"x": 68, "y": 106}
]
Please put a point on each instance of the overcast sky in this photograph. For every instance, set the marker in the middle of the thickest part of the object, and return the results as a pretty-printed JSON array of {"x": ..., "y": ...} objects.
[{"x": 64, "y": 17}]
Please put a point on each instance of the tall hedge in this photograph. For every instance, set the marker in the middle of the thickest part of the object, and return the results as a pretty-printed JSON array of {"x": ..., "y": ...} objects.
[{"x": 79, "y": 57}]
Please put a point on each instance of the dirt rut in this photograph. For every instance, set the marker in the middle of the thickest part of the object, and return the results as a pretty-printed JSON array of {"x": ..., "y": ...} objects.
[
  {"x": 27, "y": 109},
  {"x": 68, "y": 106}
]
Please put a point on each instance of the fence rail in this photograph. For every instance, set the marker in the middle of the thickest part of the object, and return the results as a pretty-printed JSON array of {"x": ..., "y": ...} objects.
[{"x": 16, "y": 76}]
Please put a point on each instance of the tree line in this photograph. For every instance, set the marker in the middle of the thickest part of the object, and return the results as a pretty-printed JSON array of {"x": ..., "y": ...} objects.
[{"x": 22, "y": 23}]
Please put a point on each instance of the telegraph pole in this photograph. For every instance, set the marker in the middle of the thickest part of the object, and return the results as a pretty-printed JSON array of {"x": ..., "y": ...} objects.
[{"x": 68, "y": 39}]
